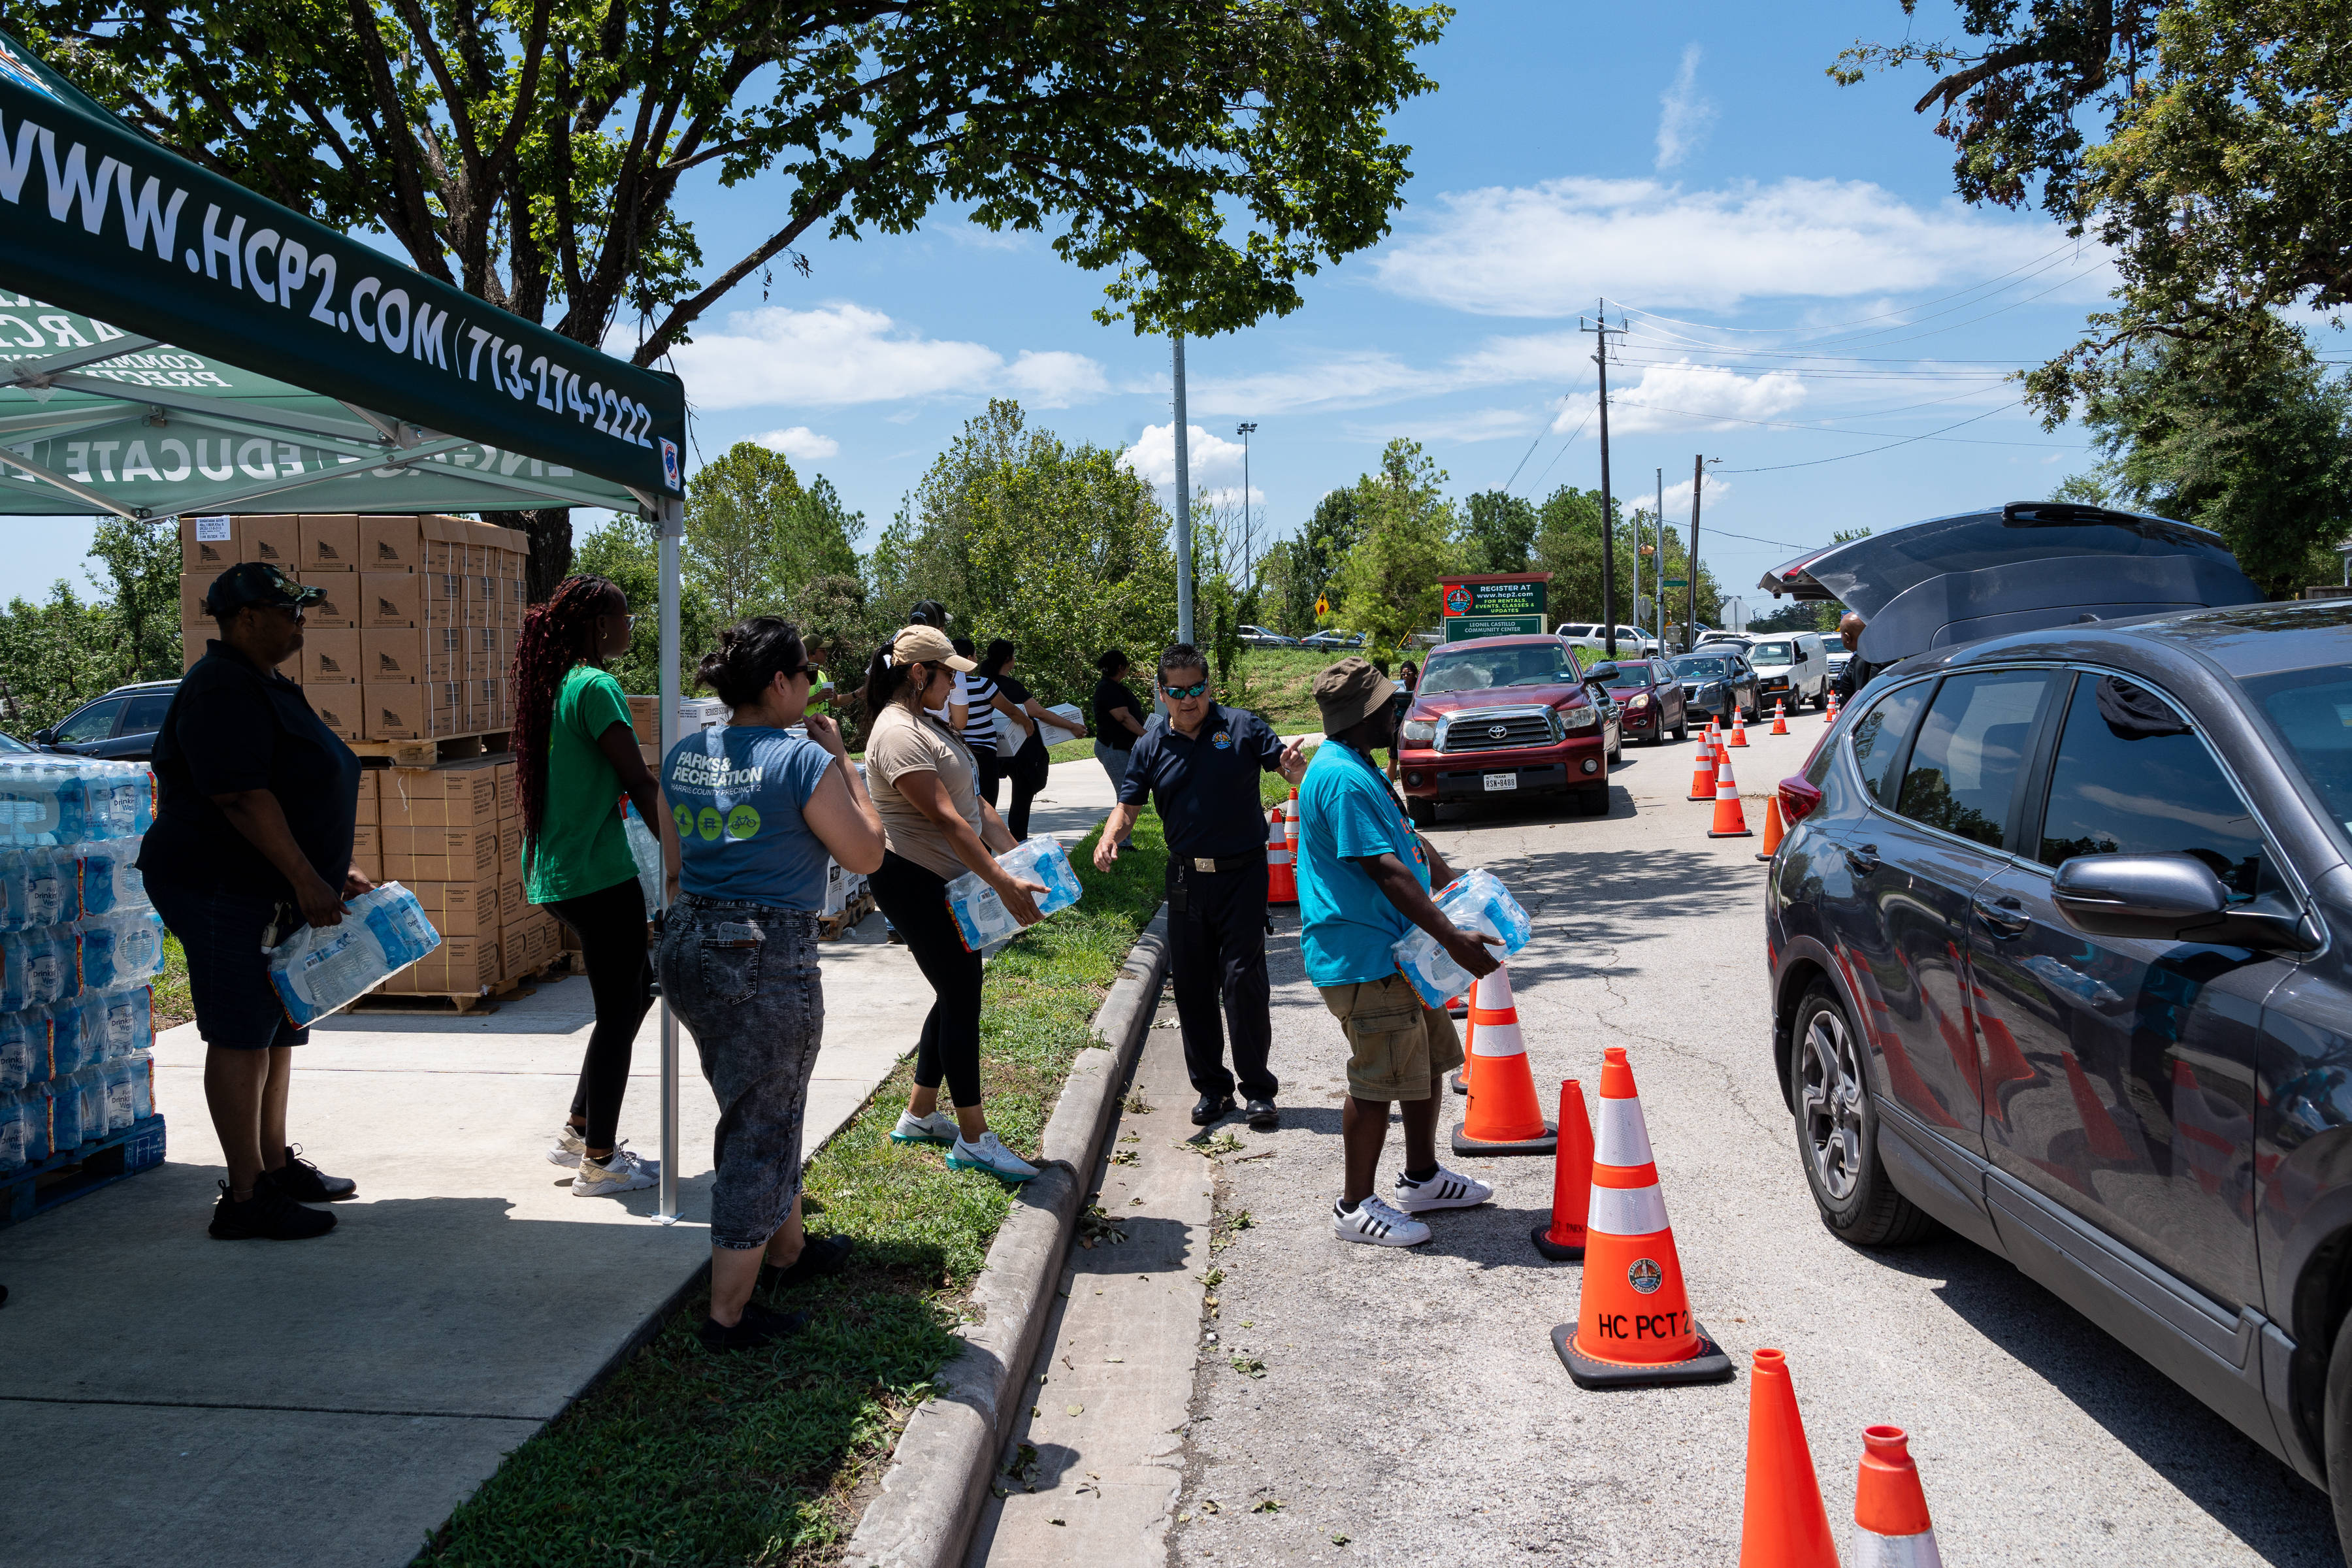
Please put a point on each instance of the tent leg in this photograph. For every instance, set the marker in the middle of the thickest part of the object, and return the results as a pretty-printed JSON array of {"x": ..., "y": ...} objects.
[{"x": 670, "y": 526}]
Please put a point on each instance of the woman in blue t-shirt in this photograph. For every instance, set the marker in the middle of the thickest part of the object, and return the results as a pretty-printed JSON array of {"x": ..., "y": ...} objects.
[{"x": 755, "y": 813}]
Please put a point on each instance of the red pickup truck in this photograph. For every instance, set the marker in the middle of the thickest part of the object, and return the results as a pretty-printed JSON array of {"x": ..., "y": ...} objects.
[{"x": 1508, "y": 716}]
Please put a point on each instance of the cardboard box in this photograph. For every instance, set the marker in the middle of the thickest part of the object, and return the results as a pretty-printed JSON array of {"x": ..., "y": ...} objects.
[
  {"x": 392, "y": 543},
  {"x": 468, "y": 908},
  {"x": 388, "y": 601},
  {"x": 208, "y": 544},
  {"x": 514, "y": 910},
  {"x": 368, "y": 812},
  {"x": 342, "y": 709},
  {"x": 367, "y": 839},
  {"x": 395, "y": 712},
  {"x": 193, "y": 586},
  {"x": 276, "y": 540},
  {"x": 329, "y": 541},
  {"x": 644, "y": 718},
  {"x": 338, "y": 610},
  {"x": 441, "y": 598},
  {"x": 331, "y": 658},
  {"x": 391, "y": 657}
]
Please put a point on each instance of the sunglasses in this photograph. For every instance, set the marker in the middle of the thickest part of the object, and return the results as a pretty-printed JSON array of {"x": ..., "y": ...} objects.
[{"x": 1195, "y": 689}]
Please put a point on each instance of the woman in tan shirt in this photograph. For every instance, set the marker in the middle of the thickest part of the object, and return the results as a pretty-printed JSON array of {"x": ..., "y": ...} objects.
[{"x": 935, "y": 827}]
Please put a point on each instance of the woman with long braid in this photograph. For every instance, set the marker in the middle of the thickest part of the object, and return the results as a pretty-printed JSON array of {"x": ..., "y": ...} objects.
[{"x": 575, "y": 755}]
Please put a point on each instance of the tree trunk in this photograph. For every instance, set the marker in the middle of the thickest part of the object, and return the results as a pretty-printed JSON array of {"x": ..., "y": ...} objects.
[{"x": 550, "y": 530}]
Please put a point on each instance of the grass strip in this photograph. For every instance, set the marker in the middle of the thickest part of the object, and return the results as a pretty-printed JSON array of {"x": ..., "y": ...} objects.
[{"x": 688, "y": 1459}]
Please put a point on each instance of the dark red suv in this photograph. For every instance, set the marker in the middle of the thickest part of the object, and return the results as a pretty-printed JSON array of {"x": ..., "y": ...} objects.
[{"x": 1508, "y": 716}]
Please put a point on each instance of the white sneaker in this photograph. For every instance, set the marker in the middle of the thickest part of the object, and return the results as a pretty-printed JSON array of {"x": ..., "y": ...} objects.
[
  {"x": 567, "y": 1148},
  {"x": 1445, "y": 1190},
  {"x": 624, "y": 1172},
  {"x": 939, "y": 1127},
  {"x": 1377, "y": 1222},
  {"x": 991, "y": 1155}
]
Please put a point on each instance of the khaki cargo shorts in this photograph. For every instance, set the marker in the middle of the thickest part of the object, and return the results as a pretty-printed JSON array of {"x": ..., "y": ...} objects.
[{"x": 1398, "y": 1047}]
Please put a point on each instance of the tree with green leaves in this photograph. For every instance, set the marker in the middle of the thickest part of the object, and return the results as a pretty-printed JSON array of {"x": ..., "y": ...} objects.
[
  {"x": 1407, "y": 537},
  {"x": 1498, "y": 532},
  {"x": 1206, "y": 157},
  {"x": 141, "y": 557},
  {"x": 2202, "y": 140},
  {"x": 54, "y": 654},
  {"x": 1294, "y": 573},
  {"x": 1568, "y": 545},
  {"x": 625, "y": 551},
  {"x": 754, "y": 536}
]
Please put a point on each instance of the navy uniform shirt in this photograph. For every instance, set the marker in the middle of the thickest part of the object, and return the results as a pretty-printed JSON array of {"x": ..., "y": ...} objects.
[{"x": 1205, "y": 785}]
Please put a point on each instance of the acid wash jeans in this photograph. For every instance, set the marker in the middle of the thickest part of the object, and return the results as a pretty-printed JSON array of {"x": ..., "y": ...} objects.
[{"x": 744, "y": 979}]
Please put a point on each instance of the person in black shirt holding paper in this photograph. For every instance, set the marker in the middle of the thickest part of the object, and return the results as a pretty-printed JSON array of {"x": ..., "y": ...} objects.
[
  {"x": 256, "y": 801},
  {"x": 1199, "y": 763}
]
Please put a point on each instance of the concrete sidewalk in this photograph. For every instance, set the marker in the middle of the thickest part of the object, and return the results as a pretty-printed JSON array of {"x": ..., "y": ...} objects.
[{"x": 170, "y": 1399}]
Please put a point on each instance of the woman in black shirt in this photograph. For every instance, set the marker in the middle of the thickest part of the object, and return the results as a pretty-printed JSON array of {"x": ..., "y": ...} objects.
[
  {"x": 1119, "y": 716},
  {"x": 1028, "y": 765},
  {"x": 256, "y": 801}
]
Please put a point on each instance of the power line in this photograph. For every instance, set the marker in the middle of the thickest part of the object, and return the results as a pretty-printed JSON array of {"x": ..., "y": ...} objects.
[
  {"x": 2072, "y": 245},
  {"x": 1820, "y": 429},
  {"x": 1776, "y": 468},
  {"x": 1564, "y": 397}
]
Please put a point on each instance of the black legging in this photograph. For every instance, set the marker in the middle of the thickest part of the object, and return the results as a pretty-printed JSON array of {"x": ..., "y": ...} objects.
[
  {"x": 986, "y": 771},
  {"x": 1028, "y": 771},
  {"x": 611, "y": 926},
  {"x": 916, "y": 899}
]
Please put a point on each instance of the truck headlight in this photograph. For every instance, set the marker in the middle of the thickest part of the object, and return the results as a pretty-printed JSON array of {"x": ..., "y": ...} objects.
[
  {"x": 1579, "y": 718},
  {"x": 1418, "y": 732}
]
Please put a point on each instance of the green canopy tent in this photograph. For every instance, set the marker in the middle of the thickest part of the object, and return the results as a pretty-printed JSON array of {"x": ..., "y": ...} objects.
[{"x": 203, "y": 348}]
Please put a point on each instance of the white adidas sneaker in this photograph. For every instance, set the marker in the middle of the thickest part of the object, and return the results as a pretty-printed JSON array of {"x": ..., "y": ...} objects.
[
  {"x": 1445, "y": 1190},
  {"x": 1378, "y": 1224},
  {"x": 624, "y": 1172}
]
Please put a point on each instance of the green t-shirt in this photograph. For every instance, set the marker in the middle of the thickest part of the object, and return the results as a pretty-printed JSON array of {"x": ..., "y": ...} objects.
[{"x": 581, "y": 847}]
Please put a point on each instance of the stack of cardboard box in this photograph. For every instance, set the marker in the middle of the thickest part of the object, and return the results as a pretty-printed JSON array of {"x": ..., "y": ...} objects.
[
  {"x": 415, "y": 637},
  {"x": 453, "y": 836}
]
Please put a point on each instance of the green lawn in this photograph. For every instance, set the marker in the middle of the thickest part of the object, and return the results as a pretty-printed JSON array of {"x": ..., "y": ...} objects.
[
  {"x": 688, "y": 1459},
  {"x": 170, "y": 993}
]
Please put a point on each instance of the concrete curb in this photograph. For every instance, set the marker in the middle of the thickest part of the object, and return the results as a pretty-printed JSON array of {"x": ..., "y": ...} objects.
[{"x": 938, "y": 1475}]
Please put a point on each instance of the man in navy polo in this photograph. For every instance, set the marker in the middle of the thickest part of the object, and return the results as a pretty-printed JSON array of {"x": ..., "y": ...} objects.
[{"x": 1199, "y": 762}]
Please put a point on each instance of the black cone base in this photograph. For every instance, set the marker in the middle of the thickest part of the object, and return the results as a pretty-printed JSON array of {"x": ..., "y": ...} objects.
[
  {"x": 1546, "y": 1145},
  {"x": 1711, "y": 1366},
  {"x": 1454, "y": 1080},
  {"x": 1542, "y": 1236},
  {"x": 1743, "y": 832}
]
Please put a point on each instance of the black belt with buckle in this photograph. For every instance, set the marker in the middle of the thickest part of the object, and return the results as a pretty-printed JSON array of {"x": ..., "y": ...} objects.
[{"x": 1217, "y": 863}]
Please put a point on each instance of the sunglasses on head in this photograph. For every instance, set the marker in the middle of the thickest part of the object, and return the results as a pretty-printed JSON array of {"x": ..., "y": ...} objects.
[{"x": 1195, "y": 689}]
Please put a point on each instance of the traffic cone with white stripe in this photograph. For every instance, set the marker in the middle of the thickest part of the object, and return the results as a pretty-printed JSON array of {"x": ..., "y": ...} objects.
[
  {"x": 1460, "y": 1081},
  {"x": 1783, "y": 1523},
  {"x": 1738, "y": 730},
  {"x": 1730, "y": 821},
  {"x": 1829, "y": 714},
  {"x": 1703, "y": 769},
  {"x": 1290, "y": 830},
  {"x": 1503, "y": 1117},
  {"x": 1281, "y": 872},
  {"x": 1891, "y": 1527},
  {"x": 1634, "y": 1328},
  {"x": 1779, "y": 717},
  {"x": 1562, "y": 1241}
]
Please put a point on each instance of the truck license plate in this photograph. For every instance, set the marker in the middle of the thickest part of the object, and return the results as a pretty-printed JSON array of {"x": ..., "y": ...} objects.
[{"x": 1502, "y": 781}]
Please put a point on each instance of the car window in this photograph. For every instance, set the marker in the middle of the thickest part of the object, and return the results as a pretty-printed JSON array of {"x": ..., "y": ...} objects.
[
  {"x": 1702, "y": 666},
  {"x": 146, "y": 712},
  {"x": 2312, "y": 709},
  {"x": 1879, "y": 734},
  {"x": 1771, "y": 653},
  {"x": 1964, "y": 767},
  {"x": 2131, "y": 778},
  {"x": 1532, "y": 664},
  {"x": 1577, "y": 629},
  {"x": 95, "y": 722}
]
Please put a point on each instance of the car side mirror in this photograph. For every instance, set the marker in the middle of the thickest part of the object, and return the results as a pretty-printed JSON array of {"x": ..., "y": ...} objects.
[
  {"x": 1604, "y": 673},
  {"x": 45, "y": 737},
  {"x": 2172, "y": 897}
]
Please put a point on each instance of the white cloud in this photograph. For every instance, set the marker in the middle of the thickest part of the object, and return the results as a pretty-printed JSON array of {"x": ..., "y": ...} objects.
[
  {"x": 1683, "y": 115},
  {"x": 800, "y": 442},
  {"x": 1667, "y": 396},
  {"x": 1551, "y": 249},
  {"x": 1208, "y": 457},
  {"x": 845, "y": 354}
]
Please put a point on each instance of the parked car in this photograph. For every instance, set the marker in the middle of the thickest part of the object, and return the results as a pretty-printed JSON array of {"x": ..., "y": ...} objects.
[
  {"x": 1430, "y": 639},
  {"x": 1792, "y": 669},
  {"x": 1262, "y": 636},
  {"x": 1838, "y": 654},
  {"x": 119, "y": 726},
  {"x": 1717, "y": 682},
  {"x": 1633, "y": 642},
  {"x": 1650, "y": 700},
  {"x": 1332, "y": 640},
  {"x": 2060, "y": 949},
  {"x": 1508, "y": 715}
]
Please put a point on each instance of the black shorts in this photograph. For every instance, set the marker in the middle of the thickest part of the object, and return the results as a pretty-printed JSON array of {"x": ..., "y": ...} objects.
[{"x": 228, "y": 971}]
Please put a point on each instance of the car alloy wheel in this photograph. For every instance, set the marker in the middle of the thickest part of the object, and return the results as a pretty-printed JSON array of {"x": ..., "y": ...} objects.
[
  {"x": 1828, "y": 1091},
  {"x": 1837, "y": 1125}
]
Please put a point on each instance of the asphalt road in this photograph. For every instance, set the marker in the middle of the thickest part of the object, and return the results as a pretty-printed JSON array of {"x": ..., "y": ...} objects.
[{"x": 1411, "y": 1403}]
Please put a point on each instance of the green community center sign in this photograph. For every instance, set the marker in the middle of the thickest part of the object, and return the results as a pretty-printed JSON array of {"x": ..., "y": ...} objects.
[{"x": 1494, "y": 604}]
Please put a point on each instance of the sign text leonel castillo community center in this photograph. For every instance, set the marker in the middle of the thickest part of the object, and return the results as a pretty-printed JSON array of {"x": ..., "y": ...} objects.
[{"x": 1494, "y": 604}]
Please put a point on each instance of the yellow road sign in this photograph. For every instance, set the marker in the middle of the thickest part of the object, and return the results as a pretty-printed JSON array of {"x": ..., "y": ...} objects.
[{"x": 1322, "y": 606}]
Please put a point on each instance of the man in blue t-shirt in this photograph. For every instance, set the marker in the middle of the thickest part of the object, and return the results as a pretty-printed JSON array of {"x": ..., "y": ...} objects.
[{"x": 1364, "y": 879}]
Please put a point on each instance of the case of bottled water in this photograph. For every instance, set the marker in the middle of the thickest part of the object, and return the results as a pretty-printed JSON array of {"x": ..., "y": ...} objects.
[
  {"x": 981, "y": 916},
  {"x": 1474, "y": 901},
  {"x": 321, "y": 968}
]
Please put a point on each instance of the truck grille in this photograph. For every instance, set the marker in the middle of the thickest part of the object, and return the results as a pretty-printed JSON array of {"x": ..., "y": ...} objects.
[{"x": 1494, "y": 732}]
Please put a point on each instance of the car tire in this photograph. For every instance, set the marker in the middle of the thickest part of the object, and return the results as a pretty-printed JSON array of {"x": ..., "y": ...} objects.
[
  {"x": 1837, "y": 1130},
  {"x": 2335, "y": 1433},
  {"x": 1682, "y": 729},
  {"x": 1617, "y": 752},
  {"x": 1423, "y": 813}
]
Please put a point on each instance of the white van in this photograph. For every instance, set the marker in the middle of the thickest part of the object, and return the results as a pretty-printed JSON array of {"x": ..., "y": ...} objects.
[{"x": 1791, "y": 668}]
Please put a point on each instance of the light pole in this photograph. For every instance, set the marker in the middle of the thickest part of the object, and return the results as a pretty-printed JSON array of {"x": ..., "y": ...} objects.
[
  {"x": 1249, "y": 536},
  {"x": 1183, "y": 506}
]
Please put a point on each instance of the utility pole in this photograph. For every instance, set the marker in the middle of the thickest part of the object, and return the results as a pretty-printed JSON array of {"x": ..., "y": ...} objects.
[
  {"x": 1661, "y": 560},
  {"x": 1608, "y": 534},
  {"x": 1249, "y": 525},
  {"x": 1698, "y": 479},
  {"x": 1183, "y": 507}
]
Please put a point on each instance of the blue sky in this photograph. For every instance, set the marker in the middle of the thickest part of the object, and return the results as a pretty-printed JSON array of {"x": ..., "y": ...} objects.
[{"x": 1800, "y": 283}]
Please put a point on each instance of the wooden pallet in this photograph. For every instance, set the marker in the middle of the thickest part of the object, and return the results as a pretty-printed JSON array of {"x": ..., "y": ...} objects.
[
  {"x": 424, "y": 754},
  {"x": 454, "y": 1004},
  {"x": 832, "y": 927},
  {"x": 62, "y": 1178}
]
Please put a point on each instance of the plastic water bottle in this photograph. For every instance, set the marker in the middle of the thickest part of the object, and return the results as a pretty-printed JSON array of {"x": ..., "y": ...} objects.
[
  {"x": 73, "y": 1046},
  {"x": 142, "y": 1084},
  {"x": 109, "y": 881},
  {"x": 317, "y": 970},
  {"x": 23, "y": 1050},
  {"x": 120, "y": 1113},
  {"x": 981, "y": 915},
  {"x": 65, "y": 1114},
  {"x": 1474, "y": 901},
  {"x": 123, "y": 1021},
  {"x": 11, "y": 1132},
  {"x": 37, "y": 967},
  {"x": 122, "y": 950}
]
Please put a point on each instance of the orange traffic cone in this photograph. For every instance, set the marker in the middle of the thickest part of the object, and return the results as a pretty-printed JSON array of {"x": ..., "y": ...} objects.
[
  {"x": 1460, "y": 1081},
  {"x": 1290, "y": 828},
  {"x": 1571, "y": 1180},
  {"x": 1891, "y": 1527},
  {"x": 1703, "y": 770},
  {"x": 1502, "y": 1117},
  {"x": 1738, "y": 730},
  {"x": 1730, "y": 821},
  {"x": 1281, "y": 872},
  {"x": 1783, "y": 1524},
  {"x": 1634, "y": 1328},
  {"x": 1829, "y": 714},
  {"x": 1773, "y": 831},
  {"x": 1779, "y": 717}
]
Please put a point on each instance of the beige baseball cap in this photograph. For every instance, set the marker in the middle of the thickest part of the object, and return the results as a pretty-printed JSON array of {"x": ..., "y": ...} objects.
[{"x": 927, "y": 645}]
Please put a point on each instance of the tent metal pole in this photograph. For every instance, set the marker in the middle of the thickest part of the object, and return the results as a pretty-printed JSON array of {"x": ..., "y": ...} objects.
[{"x": 670, "y": 526}]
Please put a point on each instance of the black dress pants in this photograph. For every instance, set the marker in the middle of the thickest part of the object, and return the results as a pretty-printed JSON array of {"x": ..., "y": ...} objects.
[{"x": 1217, "y": 956}]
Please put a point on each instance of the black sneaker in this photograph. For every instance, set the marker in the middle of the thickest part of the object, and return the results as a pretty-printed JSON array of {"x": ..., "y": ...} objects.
[
  {"x": 758, "y": 1329},
  {"x": 1210, "y": 1106},
  {"x": 1263, "y": 1115},
  {"x": 305, "y": 1184},
  {"x": 268, "y": 1216},
  {"x": 822, "y": 1254}
]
